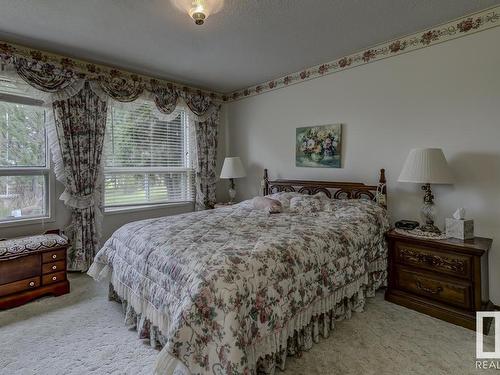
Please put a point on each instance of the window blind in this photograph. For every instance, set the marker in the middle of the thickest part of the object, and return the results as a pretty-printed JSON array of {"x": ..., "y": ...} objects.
[{"x": 147, "y": 159}]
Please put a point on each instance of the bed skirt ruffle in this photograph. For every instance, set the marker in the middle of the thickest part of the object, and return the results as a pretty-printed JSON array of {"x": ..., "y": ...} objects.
[{"x": 270, "y": 353}]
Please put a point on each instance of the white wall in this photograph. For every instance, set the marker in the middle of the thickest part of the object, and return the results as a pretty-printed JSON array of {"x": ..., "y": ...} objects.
[{"x": 443, "y": 96}]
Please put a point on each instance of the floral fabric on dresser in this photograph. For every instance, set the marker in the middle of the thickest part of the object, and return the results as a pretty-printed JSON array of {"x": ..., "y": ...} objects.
[
  {"x": 226, "y": 289},
  {"x": 21, "y": 245}
]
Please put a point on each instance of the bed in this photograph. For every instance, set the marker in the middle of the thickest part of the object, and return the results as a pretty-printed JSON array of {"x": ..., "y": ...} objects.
[{"x": 236, "y": 290}]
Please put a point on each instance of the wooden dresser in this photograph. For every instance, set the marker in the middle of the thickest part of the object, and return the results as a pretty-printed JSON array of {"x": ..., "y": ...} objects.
[
  {"x": 31, "y": 267},
  {"x": 447, "y": 279}
]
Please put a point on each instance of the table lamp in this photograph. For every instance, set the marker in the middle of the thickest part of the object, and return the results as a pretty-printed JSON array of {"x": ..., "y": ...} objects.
[
  {"x": 427, "y": 166},
  {"x": 231, "y": 169}
]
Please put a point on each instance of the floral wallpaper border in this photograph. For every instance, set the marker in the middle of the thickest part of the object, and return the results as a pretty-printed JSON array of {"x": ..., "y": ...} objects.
[{"x": 466, "y": 25}]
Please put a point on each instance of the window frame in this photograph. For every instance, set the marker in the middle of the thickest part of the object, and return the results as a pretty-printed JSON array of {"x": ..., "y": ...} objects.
[
  {"x": 46, "y": 171},
  {"x": 134, "y": 207}
]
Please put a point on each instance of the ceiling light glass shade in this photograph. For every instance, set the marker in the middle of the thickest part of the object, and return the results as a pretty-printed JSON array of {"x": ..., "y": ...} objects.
[
  {"x": 199, "y": 10},
  {"x": 426, "y": 165}
]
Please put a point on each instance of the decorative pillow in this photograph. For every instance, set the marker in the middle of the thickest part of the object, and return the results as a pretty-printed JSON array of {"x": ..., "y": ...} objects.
[
  {"x": 307, "y": 203},
  {"x": 264, "y": 203},
  {"x": 284, "y": 197}
]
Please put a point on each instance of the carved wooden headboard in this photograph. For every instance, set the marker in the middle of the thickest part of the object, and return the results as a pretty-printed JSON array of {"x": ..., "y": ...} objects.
[{"x": 336, "y": 190}]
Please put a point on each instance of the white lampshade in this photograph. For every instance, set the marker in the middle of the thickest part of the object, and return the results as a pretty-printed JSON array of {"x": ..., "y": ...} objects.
[
  {"x": 232, "y": 168},
  {"x": 426, "y": 165}
]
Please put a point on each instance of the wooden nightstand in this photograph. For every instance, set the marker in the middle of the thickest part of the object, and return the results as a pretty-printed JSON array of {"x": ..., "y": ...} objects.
[{"x": 447, "y": 279}]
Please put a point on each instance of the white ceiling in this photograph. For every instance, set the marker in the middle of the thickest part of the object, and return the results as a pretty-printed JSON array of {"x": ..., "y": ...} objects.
[{"x": 248, "y": 42}]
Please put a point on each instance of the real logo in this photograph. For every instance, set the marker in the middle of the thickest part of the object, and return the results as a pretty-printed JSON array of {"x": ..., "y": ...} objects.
[{"x": 481, "y": 316}]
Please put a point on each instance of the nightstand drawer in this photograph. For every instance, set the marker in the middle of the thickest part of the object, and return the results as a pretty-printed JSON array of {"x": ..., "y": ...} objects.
[
  {"x": 53, "y": 267},
  {"x": 52, "y": 256},
  {"x": 437, "y": 261},
  {"x": 19, "y": 268},
  {"x": 53, "y": 278},
  {"x": 20, "y": 286},
  {"x": 455, "y": 293}
]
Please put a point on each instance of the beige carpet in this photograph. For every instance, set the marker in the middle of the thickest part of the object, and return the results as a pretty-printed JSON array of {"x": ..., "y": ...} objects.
[{"x": 83, "y": 333}]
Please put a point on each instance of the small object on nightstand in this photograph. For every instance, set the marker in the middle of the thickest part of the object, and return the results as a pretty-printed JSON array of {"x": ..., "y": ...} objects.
[
  {"x": 444, "y": 278},
  {"x": 459, "y": 227},
  {"x": 406, "y": 224}
]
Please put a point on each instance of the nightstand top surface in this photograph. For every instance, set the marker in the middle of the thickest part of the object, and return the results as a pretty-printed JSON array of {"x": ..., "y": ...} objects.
[{"x": 476, "y": 244}]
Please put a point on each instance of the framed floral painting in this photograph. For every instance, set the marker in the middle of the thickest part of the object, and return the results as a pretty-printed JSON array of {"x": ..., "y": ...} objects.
[{"x": 319, "y": 146}]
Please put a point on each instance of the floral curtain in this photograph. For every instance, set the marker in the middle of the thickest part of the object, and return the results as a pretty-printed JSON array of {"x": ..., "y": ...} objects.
[
  {"x": 206, "y": 144},
  {"x": 77, "y": 94},
  {"x": 80, "y": 123}
]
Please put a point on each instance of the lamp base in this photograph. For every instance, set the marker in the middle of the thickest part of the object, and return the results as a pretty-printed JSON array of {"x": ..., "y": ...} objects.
[
  {"x": 232, "y": 195},
  {"x": 428, "y": 211},
  {"x": 232, "y": 190}
]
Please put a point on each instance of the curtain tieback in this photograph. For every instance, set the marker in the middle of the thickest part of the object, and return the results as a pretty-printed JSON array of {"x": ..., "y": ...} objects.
[{"x": 77, "y": 200}]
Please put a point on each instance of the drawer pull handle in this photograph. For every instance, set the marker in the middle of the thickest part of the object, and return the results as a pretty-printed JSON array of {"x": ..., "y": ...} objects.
[
  {"x": 54, "y": 267},
  {"x": 429, "y": 290},
  {"x": 54, "y": 256},
  {"x": 54, "y": 278},
  {"x": 32, "y": 284}
]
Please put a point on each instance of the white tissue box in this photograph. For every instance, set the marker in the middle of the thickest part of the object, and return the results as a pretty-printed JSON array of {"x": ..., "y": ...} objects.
[{"x": 462, "y": 229}]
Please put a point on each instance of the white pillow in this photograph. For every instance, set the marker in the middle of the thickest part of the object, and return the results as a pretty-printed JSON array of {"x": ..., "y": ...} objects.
[
  {"x": 284, "y": 197},
  {"x": 272, "y": 206}
]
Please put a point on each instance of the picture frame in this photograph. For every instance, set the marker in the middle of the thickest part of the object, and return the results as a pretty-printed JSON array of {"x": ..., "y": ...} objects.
[{"x": 319, "y": 146}]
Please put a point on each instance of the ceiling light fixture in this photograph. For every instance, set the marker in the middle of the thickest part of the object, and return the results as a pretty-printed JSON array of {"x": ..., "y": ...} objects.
[{"x": 199, "y": 10}]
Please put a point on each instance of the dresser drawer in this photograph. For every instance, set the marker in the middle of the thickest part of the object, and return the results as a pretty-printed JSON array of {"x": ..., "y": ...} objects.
[
  {"x": 52, "y": 256},
  {"x": 19, "y": 268},
  {"x": 53, "y": 267},
  {"x": 457, "y": 293},
  {"x": 19, "y": 286},
  {"x": 53, "y": 278},
  {"x": 436, "y": 261}
]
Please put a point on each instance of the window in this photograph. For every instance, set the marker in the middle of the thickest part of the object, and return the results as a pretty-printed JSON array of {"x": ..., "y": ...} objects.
[
  {"x": 24, "y": 159},
  {"x": 147, "y": 159}
]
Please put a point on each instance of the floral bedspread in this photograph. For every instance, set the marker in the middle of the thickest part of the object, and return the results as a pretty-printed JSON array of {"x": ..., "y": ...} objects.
[{"x": 225, "y": 279}]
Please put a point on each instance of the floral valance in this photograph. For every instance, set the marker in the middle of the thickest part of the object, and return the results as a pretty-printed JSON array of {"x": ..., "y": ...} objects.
[
  {"x": 121, "y": 89},
  {"x": 64, "y": 77},
  {"x": 42, "y": 76},
  {"x": 165, "y": 98},
  {"x": 197, "y": 103}
]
